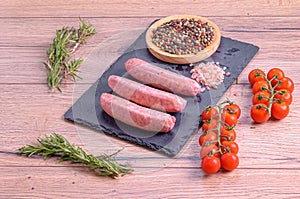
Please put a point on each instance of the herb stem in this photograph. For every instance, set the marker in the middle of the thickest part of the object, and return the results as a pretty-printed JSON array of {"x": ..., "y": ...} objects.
[
  {"x": 59, "y": 63},
  {"x": 57, "y": 145}
]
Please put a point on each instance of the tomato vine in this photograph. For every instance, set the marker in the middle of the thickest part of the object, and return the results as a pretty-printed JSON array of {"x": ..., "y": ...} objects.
[
  {"x": 218, "y": 137},
  {"x": 273, "y": 89}
]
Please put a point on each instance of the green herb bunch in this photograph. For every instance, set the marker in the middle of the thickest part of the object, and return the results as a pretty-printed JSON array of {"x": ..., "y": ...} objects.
[
  {"x": 59, "y": 60},
  {"x": 57, "y": 145}
]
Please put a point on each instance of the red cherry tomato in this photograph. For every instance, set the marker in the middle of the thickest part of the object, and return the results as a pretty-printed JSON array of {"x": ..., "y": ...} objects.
[
  {"x": 201, "y": 139},
  {"x": 275, "y": 73},
  {"x": 231, "y": 145},
  {"x": 229, "y": 119},
  {"x": 284, "y": 95},
  {"x": 256, "y": 75},
  {"x": 280, "y": 110},
  {"x": 209, "y": 150},
  {"x": 234, "y": 108},
  {"x": 261, "y": 97},
  {"x": 259, "y": 114},
  {"x": 260, "y": 86},
  {"x": 211, "y": 138},
  {"x": 208, "y": 126},
  {"x": 227, "y": 134},
  {"x": 229, "y": 161},
  {"x": 210, "y": 164},
  {"x": 285, "y": 83},
  {"x": 208, "y": 113}
]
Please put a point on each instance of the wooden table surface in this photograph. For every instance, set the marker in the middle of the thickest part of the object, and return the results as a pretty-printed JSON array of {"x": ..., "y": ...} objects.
[{"x": 269, "y": 153}]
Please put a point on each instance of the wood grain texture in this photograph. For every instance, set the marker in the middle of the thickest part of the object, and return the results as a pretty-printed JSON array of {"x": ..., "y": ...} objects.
[
  {"x": 24, "y": 32},
  {"x": 21, "y": 49},
  {"x": 66, "y": 182},
  {"x": 132, "y": 8},
  {"x": 269, "y": 161}
]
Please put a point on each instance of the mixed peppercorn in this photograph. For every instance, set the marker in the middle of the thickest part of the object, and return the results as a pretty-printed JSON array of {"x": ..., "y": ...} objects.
[{"x": 183, "y": 36}]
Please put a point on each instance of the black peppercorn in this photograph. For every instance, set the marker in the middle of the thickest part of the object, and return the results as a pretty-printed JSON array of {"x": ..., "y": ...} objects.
[{"x": 183, "y": 36}]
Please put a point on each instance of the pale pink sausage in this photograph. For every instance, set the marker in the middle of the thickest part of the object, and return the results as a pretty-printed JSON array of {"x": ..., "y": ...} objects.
[
  {"x": 145, "y": 95},
  {"x": 135, "y": 115},
  {"x": 161, "y": 78}
]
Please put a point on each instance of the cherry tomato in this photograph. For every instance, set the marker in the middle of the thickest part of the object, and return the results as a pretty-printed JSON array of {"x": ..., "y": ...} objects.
[
  {"x": 211, "y": 138},
  {"x": 227, "y": 134},
  {"x": 259, "y": 113},
  {"x": 234, "y": 108},
  {"x": 211, "y": 164},
  {"x": 229, "y": 161},
  {"x": 209, "y": 150},
  {"x": 280, "y": 110},
  {"x": 256, "y": 75},
  {"x": 212, "y": 124},
  {"x": 260, "y": 86},
  {"x": 205, "y": 127},
  {"x": 233, "y": 146},
  {"x": 286, "y": 83},
  {"x": 275, "y": 72},
  {"x": 201, "y": 139},
  {"x": 229, "y": 119},
  {"x": 261, "y": 97},
  {"x": 285, "y": 96},
  {"x": 208, "y": 113}
]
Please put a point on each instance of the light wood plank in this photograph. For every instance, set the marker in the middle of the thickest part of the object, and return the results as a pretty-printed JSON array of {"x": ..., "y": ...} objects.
[
  {"x": 76, "y": 182},
  {"x": 25, "y": 61},
  {"x": 131, "y": 8},
  {"x": 40, "y": 31},
  {"x": 269, "y": 162},
  {"x": 270, "y": 34}
]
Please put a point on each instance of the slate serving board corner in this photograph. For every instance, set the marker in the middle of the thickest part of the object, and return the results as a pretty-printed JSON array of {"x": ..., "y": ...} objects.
[{"x": 232, "y": 54}]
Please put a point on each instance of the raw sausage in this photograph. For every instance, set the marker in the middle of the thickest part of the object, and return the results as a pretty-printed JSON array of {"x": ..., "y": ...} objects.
[
  {"x": 135, "y": 115},
  {"x": 161, "y": 78},
  {"x": 145, "y": 95}
]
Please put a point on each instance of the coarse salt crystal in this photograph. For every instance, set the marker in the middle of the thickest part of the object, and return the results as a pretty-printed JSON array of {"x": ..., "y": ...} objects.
[{"x": 209, "y": 74}]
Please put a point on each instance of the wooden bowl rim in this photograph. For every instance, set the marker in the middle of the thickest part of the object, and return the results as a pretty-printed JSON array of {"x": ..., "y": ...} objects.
[{"x": 158, "y": 23}]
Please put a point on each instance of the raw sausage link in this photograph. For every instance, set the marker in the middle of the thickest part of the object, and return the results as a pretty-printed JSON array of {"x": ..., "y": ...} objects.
[
  {"x": 161, "y": 78},
  {"x": 145, "y": 95},
  {"x": 135, "y": 115}
]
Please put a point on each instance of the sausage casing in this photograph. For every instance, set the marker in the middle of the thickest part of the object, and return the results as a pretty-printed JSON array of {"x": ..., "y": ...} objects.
[
  {"x": 145, "y": 95},
  {"x": 161, "y": 78},
  {"x": 135, "y": 115}
]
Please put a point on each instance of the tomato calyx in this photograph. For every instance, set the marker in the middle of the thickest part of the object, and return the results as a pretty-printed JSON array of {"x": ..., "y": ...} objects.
[
  {"x": 258, "y": 74},
  {"x": 259, "y": 106},
  {"x": 230, "y": 110},
  {"x": 261, "y": 96},
  {"x": 281, "y": 92},
  {"x": 278, "y": 100},
  {"x": 229, "y": 127}
]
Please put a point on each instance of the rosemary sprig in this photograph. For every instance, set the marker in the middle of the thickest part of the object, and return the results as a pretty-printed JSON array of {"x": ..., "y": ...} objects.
[
  {"x": 66, "y": 41},
  {"x": 57, "y": 145}
]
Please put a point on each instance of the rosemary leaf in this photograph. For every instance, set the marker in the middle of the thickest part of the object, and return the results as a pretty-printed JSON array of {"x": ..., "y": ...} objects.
[
  {"x": 57, "y": 145},
  {"x": 66, "y": 41}
]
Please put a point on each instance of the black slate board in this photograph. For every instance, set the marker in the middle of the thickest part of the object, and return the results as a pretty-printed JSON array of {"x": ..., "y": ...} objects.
[{"x": 234, "y": 55}]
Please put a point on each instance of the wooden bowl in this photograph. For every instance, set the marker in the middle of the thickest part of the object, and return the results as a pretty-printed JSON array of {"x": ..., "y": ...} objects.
[{"x": 182, "y": 59}]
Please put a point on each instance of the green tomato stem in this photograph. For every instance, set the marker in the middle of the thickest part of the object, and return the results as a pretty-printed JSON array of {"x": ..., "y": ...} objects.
[
  {"x": 272, "y": 93},
  {"x": 219, "y": 128}
]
